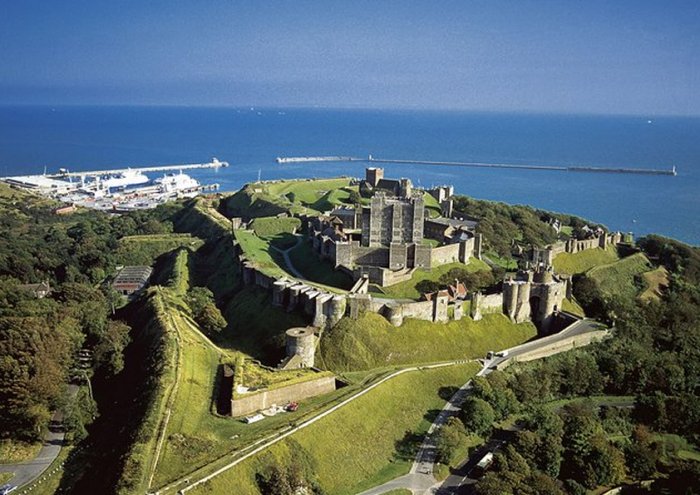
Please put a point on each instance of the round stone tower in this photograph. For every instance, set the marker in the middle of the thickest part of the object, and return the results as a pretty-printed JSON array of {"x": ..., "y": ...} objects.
[{"x": 301, "y": 341}]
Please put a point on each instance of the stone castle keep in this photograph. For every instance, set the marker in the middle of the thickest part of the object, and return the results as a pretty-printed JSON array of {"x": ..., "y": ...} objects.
[{"x": 386, "y": 241}]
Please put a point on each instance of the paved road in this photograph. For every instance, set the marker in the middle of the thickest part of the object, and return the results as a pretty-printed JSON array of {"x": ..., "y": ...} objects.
[
  {"x": 420, "y": 479},
  {"x": 188, "y": 484},
  {"x": 28, "y": 471}
]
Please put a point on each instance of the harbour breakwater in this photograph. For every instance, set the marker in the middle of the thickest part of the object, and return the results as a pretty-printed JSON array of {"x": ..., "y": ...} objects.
[{"x": 559, "y": 168}]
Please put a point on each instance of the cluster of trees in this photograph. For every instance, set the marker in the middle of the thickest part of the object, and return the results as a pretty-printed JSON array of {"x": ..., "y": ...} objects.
[
  {"x": 292, "y": 476},
  {"x": 79, "y": 248},
  {"x": 39, "y": 338},
  {"x": 473, "y": 281},
  {"x": 653, "y": 356},
  {"x": 204, "y": 310},
  {"x": 501, "y": 223}
]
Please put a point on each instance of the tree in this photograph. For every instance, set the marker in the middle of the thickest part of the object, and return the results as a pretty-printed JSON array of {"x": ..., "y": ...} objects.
[
  {"x": 448, "y": 439},
  {"x": 198, "y": 298},
  {"x": 211, "y": 319},
  {"x": 354, "y": 197},
  {"x": 478, "y": 415},
  {"x": 641, "y": 454},
  {"x": 109, "y": 352}
]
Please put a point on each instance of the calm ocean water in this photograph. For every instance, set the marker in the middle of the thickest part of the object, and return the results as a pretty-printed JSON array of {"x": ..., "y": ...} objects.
[{"x": 81, "y": 138}]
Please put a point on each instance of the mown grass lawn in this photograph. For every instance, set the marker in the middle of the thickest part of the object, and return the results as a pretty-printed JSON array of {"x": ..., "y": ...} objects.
[
  {"x": 271, "y": 226},
  {"x": 372, "y": 342},
  {"x": 258, "y": 251},
  {"x": 581, "y": 262},
  {"x": 408, "y": 290},
  {"x": 367, "y": 442},
  {"x": 308, "y": 263}
]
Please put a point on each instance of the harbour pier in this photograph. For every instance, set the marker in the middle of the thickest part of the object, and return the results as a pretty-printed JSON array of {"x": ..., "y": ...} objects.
[
  {"x": 558, "y": 168},
  {"x": 160, "y": 168}
]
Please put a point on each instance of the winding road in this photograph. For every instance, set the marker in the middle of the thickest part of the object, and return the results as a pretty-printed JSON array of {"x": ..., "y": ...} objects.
[
  {"x": 420, "y": 479},
  {"x": 27, "y": 471}
]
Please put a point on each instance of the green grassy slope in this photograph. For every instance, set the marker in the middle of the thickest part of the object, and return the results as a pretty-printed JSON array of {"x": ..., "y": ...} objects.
[
  {"x": 144, "y": 249},
  {"x": 371, "y": 341},
  {"x": 407, "y": 289},
  {"x": 656, "y": 281},
  {"x": 307, "y": 262},
  {"x": 256, "y": 327},
  {"x": 583, "y": 261},
  {"x": 296, "y": 196},
  {"x": 258, "y": 251},
  {"x": 618, "y": 279},
  {"x": 367, "y": 442},
  {"x": 272, "y": 226}
]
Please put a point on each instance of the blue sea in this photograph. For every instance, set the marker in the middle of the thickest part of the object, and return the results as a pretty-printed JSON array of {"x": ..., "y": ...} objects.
[{"x": 34, "y": 138}]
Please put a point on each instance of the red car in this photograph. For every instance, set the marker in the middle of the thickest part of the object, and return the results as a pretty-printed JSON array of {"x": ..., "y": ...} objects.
[{"x": 292, "y": 406}]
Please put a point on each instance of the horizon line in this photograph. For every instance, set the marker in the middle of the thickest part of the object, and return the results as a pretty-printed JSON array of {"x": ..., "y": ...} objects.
[{"x": 253, "y": 107}]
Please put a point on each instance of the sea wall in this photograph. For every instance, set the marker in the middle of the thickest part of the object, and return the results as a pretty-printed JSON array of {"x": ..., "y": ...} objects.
[{"x": 257, "y": 401}]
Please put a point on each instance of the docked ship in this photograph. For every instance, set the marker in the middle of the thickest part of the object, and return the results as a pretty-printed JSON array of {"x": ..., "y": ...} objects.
[
  {"x": 124, "y": 179},
  {"x": 176, "y": 183}
]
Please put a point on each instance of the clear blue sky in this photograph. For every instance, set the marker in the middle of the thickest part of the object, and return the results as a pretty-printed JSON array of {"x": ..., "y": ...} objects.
[{"x": 616, "y": 56}]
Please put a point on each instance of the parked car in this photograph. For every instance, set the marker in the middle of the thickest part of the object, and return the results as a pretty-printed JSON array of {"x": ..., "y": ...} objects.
[
  {"x": 502, "y": 354},
  {"x": 5, "y": 489},
  {"x": 292, "y": 406},
  {"x": 489, "y": 355}
]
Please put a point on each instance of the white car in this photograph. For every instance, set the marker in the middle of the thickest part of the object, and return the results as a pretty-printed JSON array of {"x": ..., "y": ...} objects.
[
  {"x": 502, "y": 354},
  {"x": 5, "y": 489}
]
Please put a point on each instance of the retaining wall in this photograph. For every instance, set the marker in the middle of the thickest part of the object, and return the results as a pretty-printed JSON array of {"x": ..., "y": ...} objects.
[{"x": 280, "y": 396}]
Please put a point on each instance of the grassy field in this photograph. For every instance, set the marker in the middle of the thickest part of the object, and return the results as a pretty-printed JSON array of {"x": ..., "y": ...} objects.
[
  {"x": 258, "y": 251},
  {"x": 583, "y": 261},
  {"x": 272, "y": 226},
  {"x": 371, "y": 341},
  {"x": 407, "y": 289},
  {"x": 431, "y": 205},
  {"x": 144, "y": 249},
  {"x": 195, "y": 433},
  {"x": 307, "y": 262},
  {"x": 256, "y": 327},
  {"x": 618, "y": 279},
  {"x": 572, "y": 307},
  {"x": 369, "y": 441},
  {"x": 505, "y": 263},
  {"x": 295, "y": 196},
  {"x": 656, "y": 281}
]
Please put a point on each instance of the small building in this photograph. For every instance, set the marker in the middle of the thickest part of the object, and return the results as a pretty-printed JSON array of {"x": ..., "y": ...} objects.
[
  {"x": 64, "y": 210},
  {"x": 131, "y": 279},
  {"x": 40, "y": 290}
]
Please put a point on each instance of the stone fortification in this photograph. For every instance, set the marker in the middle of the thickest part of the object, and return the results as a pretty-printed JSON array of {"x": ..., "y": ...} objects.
[
  {"x": 257, "y": 401},
  {"x": 397, "y": 220},
  {"x": 545, "y": 256},
  {"x": 301, "y": 348},
  {"x": 385, "y": 240},
  {"x": 528, "y": 296}
]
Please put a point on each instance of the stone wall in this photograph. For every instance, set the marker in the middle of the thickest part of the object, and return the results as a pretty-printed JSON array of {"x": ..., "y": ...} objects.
[
  {"x": 257, "y": 401},
  {"x": 489, "y": 303},
  {"x": 546, "y": 255},
  {"x": 446, "y": 254}
]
